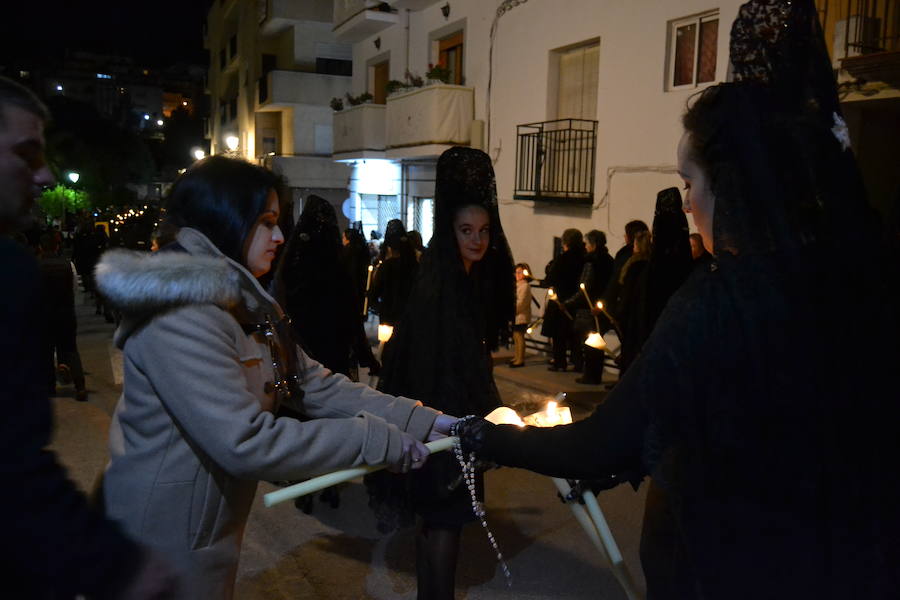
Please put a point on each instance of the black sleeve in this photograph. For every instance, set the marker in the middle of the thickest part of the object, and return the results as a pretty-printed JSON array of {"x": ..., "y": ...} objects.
[
  {"x": 52, "y": 538},
  {"x": 624, "y": 435}
]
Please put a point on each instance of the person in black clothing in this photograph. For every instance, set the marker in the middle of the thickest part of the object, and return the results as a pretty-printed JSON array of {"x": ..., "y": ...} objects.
[
  {"x": 393, "y": 278},
  {"x": 629, "y": 306},
  {"x": 598, "y": 266},
  {"x": 55, "y": 545},
  {"x": 772, "y": 473},
  {"x": 356, "y": 260},
  {"x": 563, "y": 275},
  {"x": 59, "y": 317},
  {"x": 613, "y": 293},
  {"x": 320, "y": 297},
  {"x": 459, "y": 310}
]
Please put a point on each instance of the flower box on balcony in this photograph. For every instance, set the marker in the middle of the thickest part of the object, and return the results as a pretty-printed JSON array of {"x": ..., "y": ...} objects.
[
  {"x": 433, "y": 115},
  {"x": 359, "y": 131}
]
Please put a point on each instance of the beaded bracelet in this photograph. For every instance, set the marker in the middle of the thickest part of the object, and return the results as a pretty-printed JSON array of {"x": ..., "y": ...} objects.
[{"x": 467, "y": 464}]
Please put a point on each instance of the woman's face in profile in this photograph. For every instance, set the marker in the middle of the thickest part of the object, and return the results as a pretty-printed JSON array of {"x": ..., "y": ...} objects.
[
  {"x": 472, "y": 226},
  {"x": 698, "y": 199},
  {"x": 264, "y": 239}
]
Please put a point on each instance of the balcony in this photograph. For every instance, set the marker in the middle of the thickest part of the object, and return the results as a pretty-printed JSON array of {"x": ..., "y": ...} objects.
[
  {"x": 283, "y": 89},
  {"x": 426, "y": 121},
  {"x": 555, "y": 161},
  {"x": 411, "y": 4},
  {"x": 274, "y": 16},
  {"x": 868, "y": 42},
  {"x": 359, "y": 132},
  {"x": 355, "y": 20}
]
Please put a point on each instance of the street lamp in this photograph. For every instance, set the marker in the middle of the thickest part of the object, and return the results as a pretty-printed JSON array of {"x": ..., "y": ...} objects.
[
  {"x": 231, "y": 142},
  {"x": 73, "y": 176},
  {"x": 198, "y": 153}
]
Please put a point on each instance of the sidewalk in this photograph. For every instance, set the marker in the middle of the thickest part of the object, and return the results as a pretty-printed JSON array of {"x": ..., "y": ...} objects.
[{"x": 534, "y": 376}]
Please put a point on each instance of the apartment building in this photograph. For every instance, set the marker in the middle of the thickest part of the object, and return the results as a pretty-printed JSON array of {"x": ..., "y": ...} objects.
[
  {"x": 578, "y": 102},
  {"x": 274, "y": 67}
]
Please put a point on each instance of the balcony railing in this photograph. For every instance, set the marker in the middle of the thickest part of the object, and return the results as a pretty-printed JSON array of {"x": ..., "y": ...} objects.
[
  {"x": 871, "y": 37},
  {"x": 555, "y": 161}
]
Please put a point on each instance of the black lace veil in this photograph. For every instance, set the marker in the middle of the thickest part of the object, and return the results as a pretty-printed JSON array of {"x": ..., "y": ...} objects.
[
  {"x": 780, "y": 169},
  {"x": 440, "y": 350}
]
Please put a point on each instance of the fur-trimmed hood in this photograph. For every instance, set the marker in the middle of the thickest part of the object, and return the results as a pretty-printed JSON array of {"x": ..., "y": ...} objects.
[{"x": 141, "y": 285}]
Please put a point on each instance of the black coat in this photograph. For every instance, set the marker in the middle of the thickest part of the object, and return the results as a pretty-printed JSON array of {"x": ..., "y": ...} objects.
[
  {"x": 563, "y": 276},
  {"x": 778, "y": 471},
  {"x": 54, "y": 545}
]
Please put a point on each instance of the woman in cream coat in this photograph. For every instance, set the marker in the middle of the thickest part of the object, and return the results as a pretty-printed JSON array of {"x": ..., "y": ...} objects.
[{"x": 208, "y": 359}]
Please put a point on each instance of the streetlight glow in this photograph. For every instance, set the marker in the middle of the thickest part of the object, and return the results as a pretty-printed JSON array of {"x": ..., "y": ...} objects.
[
  {"x": 73, "y": 176},
  {"x": 232, "y": 142},
  {"x": 198, "y": 153},
  {"x": 159, "y": 122}
]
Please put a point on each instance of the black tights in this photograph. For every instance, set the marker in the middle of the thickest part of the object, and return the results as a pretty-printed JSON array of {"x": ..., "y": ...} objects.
[{"x": 437, "y": 549}]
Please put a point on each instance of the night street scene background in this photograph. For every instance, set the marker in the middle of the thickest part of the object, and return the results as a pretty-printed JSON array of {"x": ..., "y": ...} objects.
[{"x": 577, "y": 106}]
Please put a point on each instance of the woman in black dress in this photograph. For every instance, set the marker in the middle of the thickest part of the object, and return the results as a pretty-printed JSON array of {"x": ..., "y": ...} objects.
[
  {"x": 773, "y": 473},
  {"x": 460, "y": 308}
]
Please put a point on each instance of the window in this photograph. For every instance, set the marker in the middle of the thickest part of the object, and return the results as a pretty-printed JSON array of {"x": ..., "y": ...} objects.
[
  {"x": 450, "y": 55},
  {"x": 693, "y": 49},
  {"x": 577, "y": 82}
]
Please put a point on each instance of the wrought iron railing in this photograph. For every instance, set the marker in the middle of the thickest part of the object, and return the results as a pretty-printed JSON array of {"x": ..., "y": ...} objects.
[
  {"x": 873, "y": 26},
  {"x": 555, "y": 161}
]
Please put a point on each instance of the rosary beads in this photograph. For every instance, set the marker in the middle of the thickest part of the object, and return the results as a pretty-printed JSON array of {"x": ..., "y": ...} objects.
[{"x": 467, "y": 464}]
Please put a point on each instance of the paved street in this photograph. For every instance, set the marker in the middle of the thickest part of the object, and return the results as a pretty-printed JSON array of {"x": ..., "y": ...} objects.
[{"x": 338, "y": 553}]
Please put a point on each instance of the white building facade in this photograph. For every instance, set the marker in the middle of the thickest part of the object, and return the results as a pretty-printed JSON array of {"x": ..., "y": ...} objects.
[
  {"x": 578, "y": 103},
  {"x": 274, "y": 67}
]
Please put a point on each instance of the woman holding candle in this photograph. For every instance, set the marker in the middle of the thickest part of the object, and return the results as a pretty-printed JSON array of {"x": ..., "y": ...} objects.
[
  {"x": 209, "y": 358},
  {"x": 773, "y": 474},
  {"x": 459, "y": 310}
]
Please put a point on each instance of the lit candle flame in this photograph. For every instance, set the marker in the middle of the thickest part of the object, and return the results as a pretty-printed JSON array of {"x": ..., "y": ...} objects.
[
  {"x": 600, "y": 304},
  {"x": 526, "y": 273},
  {"x": 551, "y": 293},
  {"x": 581, "y": 285},
  {"x": 370, "y": 268},
  {"x": 385, "y": 332},
  {"x": 529, "y": 331}
]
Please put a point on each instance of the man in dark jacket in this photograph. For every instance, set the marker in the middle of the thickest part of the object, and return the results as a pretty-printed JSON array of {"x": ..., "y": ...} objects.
[
  {"x": 55, "y": 546},
  {"x": 563, "y": 276},
  {"x": 598, "y": 266}
]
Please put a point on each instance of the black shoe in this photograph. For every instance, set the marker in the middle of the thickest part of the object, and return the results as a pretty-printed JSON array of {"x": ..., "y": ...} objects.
[{"x": 513, "y": 365}]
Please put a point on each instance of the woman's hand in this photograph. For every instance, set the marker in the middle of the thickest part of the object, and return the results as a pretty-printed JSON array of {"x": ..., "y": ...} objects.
[
  {"x": 413, "y": 455},
  {"x": 473, "y": 434},
  {"x": 441, "y": 427}
]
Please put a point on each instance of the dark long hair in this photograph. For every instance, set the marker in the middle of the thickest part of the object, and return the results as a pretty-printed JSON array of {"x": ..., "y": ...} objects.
[{"x": 222, "y": 199}]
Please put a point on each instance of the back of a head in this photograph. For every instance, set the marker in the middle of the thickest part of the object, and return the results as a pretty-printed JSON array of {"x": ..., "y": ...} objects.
[
  {"x": 222, "y": 198},
  {"x": 632, "y": 228},
  {"x": 572, "y": 238},
  {"x": 670, "y": 226}
]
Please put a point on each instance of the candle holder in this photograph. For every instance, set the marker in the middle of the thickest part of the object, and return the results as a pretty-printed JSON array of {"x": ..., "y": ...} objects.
[{"x": 368, "y": 285}]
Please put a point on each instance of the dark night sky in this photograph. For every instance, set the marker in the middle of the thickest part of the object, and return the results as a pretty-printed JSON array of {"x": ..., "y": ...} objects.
[{"x": 157, "y": 33}]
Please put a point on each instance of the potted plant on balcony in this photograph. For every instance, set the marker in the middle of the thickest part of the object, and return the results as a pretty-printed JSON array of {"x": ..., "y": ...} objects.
[
  {"x": 413, "y": 80},
  {"x": 363, "y": 98},
  {"x": 437, "y": 74},
  {"x": 394, "y": 86},
  {"x": 337, "y": 105}
]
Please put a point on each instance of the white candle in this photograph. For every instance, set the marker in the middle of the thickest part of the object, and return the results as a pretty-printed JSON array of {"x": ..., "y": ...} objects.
[{"x": 329, "y": 479}]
